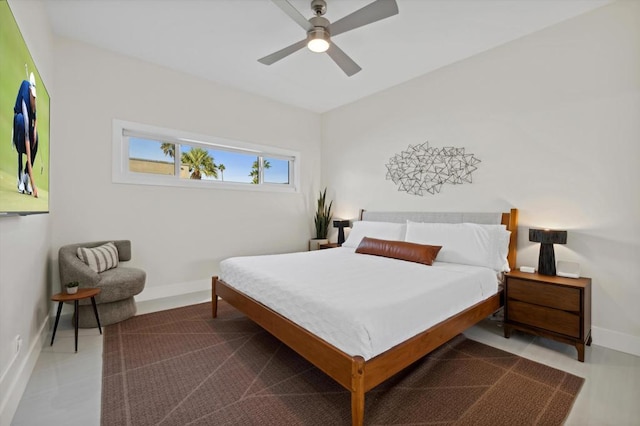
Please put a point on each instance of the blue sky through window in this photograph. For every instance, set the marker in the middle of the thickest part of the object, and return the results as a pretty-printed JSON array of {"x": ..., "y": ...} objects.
[{"x": 237, "y": 165}]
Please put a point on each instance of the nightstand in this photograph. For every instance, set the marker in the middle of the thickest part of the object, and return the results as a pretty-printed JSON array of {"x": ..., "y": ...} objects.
[
  {"x": 328, "y": 246},
  {"x": 550, "y": 306}
]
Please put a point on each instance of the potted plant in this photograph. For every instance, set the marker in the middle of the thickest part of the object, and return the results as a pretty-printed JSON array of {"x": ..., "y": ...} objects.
[
  {"x": 322, "y": 220},
  {"x": 72, "y": 287}
]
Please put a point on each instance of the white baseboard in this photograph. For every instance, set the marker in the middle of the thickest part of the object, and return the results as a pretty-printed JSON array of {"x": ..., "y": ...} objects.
[
  {"x": 14, "y": 380},
  {"x": 615, "y": 340},
  {"x": 151, "y": 293}
]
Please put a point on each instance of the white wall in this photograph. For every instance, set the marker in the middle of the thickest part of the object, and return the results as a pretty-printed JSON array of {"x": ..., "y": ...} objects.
[
  {"x": 554, "y": 118},
  {"x": 178, "y": 235},
  {"x": 24, "y": 248}
]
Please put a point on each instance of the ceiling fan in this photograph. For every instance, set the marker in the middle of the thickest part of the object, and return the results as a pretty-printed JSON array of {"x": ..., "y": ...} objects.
[{"x": 319, "y": 30}]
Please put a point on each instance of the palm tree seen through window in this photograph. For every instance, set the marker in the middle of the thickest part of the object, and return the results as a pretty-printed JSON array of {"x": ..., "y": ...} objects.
[{"x": 199, "y": 162}]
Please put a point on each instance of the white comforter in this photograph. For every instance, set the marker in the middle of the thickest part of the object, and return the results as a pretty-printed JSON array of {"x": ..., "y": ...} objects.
[{"x": 361, "y": 304}]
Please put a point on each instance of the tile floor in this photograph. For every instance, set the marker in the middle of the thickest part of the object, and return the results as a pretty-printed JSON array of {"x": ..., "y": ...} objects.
[{"x": 64, "y": 388}]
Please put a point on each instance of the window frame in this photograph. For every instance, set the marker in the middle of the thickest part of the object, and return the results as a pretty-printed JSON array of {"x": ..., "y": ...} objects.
[{"x": 123, "y": 130}]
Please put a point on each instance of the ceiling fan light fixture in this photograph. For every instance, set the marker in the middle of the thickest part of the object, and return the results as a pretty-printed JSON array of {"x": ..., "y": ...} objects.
[
  {"x": 319, "y": 30},
  {"x": 318, "y": 40}
]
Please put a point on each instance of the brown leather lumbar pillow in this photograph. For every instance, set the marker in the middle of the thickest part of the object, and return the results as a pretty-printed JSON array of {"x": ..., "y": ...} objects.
[{"x": 412, "y": 252}]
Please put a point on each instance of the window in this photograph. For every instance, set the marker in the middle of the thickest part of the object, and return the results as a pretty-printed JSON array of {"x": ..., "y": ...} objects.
[{"x": 154, "y": 156}]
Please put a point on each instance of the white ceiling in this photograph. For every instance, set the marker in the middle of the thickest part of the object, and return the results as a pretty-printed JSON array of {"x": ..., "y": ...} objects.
[{"x": 221, "y": 40}]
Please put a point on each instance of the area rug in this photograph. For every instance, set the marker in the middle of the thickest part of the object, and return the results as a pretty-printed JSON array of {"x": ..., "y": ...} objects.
[{"x": 182, "y": 367}]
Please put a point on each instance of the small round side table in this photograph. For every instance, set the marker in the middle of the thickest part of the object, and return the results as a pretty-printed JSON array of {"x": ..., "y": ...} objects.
[{"x": 82, "y": 293}]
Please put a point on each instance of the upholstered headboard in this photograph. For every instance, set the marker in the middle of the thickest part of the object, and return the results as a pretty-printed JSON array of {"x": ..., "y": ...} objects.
[{"x": 510, "y": 220}]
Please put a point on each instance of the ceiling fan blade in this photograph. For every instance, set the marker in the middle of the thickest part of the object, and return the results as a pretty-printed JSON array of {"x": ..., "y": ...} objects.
[
  {"x": 293, "y": 14},
  {"x": 282, "y": 53},
  {"x": 343, "y": 60},
  {"x": 379, "y": 9}
]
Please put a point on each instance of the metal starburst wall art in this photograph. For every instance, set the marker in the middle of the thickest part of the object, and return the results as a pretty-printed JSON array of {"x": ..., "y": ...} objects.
[{"x": 421, "y": 169}]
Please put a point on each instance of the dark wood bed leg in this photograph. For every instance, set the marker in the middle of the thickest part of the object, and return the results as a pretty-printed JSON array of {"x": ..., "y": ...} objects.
[
  {"x": 214, "y": 297},
  {"x": 357, "y": 391}
]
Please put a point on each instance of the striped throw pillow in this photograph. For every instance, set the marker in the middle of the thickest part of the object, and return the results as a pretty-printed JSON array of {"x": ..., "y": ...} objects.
[{"x": 99, "y": 258}]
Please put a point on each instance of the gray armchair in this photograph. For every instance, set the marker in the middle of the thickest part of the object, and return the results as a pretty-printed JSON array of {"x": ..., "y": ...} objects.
[{"x": 118, "y": 285}]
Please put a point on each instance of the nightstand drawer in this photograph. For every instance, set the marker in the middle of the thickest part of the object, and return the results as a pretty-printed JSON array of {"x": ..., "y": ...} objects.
[
  {"x": 553, "y": 296},
  {"x": 546, "y": 318}
]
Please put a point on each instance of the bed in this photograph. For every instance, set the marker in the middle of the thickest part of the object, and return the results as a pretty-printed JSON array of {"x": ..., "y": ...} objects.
[{"x": 363, "y": 365}]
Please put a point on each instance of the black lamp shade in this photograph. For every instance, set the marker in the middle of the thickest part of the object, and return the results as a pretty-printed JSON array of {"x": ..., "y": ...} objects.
[
  {"x": 341, "y": 224},
  {"x": 547, "y": 238}
]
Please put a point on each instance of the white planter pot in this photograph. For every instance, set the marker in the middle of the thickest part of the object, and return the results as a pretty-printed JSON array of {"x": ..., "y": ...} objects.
[
  {"x": 314, "y": 243},
  {"x": 72, "y": 290}
]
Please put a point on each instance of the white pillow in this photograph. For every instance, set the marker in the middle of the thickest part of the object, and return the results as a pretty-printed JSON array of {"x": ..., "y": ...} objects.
[
  {"x": 466, "y": 243},
  {"x": 378, "y": 230},
  {"x": 99, "y": 258},
  {"x": 502, "y": 239}
]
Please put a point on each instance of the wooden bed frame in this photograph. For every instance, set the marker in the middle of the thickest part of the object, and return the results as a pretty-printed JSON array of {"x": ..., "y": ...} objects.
[{"x": 353, "y": 372}]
